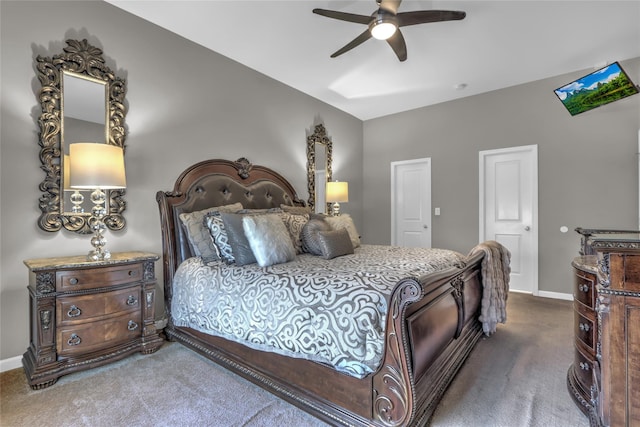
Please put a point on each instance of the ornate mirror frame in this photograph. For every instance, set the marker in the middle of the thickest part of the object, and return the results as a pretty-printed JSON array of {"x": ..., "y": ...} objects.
[
  {"x": 317, "y": 138},
  {"x": 84, "y": 60}
]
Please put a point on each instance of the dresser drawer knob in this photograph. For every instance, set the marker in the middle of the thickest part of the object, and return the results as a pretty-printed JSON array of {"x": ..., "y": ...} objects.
[
  {"x": 74, "y": 339},
  {"x": 131, "y": 300},
  {"x": 74, "y": 311},
  {"x": 584, "y": 288},
  {"x": 584, "y": 366},
  {"x": 74, "y": 280},
  {"x": 132, "y": 326},
  {"x": 584, "y": 327},
  {"x": 133, "y": 273}
]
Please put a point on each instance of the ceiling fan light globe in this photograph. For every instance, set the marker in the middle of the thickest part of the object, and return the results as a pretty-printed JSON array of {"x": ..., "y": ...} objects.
[{"x": 383, "y": 30}]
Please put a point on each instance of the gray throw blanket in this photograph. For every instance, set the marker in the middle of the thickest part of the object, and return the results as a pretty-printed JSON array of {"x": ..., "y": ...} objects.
[{"x": 495, "y": 268}]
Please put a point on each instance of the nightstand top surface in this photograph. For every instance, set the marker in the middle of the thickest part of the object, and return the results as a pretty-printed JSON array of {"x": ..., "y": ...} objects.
[{"x": 81, "y": 260}]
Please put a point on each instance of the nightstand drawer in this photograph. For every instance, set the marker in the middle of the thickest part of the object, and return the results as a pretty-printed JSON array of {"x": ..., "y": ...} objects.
[
  {"x": 71, "y": 310},
  {"x": 93, "y": 336},
  {"x": 80, "y": 279}
]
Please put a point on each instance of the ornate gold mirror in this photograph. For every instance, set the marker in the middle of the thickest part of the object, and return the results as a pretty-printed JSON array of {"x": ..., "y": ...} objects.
[
  {"x": 319, "y": 158},
  {"x": 82, "y": 101}
]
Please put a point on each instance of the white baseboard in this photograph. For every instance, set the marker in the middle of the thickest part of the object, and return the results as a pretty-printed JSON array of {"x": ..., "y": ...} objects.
[
  {"x": 11, "y": 363},
  {"x": 555, "y": 295}
]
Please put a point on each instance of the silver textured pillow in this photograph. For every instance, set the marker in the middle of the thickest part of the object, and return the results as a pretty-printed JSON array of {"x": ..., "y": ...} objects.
[
  {"x": 242, "y": 252},
  {"x": 197, "y": 233},
  {"x": 345, "y": 221},
  {"x": 334, "y": 243},
  {"x": 309, "y": 235},
  {"x": 269, "y": 239}
]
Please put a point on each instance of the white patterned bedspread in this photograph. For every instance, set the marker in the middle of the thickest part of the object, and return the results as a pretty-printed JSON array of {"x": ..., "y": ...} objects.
[{"x": 328, "y": 311}]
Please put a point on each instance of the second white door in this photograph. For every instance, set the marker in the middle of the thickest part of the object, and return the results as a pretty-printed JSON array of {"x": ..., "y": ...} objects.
[{"x": 411, "y": 203}]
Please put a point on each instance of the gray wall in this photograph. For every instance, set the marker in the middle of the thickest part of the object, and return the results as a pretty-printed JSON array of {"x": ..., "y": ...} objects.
[
  {"x": 588, "y": 167},
  {"x": 186, "y": 104}
]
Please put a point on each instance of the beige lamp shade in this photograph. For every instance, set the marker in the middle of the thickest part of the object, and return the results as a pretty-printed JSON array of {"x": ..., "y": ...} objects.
[
  {"x": 337, "y": 192},
  {"x": 94, "y": 165}
]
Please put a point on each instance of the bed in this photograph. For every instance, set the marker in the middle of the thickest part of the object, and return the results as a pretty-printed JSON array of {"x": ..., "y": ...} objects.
[{"x": 428, "y": 322}]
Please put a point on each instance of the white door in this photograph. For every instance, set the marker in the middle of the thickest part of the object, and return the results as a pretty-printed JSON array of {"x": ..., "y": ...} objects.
[
  {"x": 411, "y": 203},
  {"x": 509, "y": 209}
]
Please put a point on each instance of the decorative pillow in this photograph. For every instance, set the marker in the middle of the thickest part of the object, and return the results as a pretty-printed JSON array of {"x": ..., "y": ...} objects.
[
  {"x": 298, "y": 210},
  {"x": 294, "y": 224},
  {"x": 198, "y": 235},
  {"x": 242, "y": 252},
  {"x": 345, "y": 221},
  {"x": 309, "y": 235},
  {"x": 219, "y": 236},
  {"x": 259, "y": 211},
  {"x": 334, "y": 243},
  {"x": 269, "y": 239}
]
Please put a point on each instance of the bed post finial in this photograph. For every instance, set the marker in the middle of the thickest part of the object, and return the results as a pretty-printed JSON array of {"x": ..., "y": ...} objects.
[{"x": 244, "y": 167}]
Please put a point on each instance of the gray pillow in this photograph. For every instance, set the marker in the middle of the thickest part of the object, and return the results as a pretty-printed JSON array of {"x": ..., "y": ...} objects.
[
  {"x": 269, "y": 239},
  {"x": 198, "y": 235},
  {"x": 345, "y": 221},
  {"x": 242, "y": 252},
  {"x": 309, "y": 235},
  {"x": 335, "y": 243},
  {"x": 295, "y": 223},
  {"x": 219, "y": 236}
]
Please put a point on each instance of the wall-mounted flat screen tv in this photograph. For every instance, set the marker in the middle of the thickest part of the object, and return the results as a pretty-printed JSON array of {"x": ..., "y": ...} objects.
[{"x": 601, "y": 87}]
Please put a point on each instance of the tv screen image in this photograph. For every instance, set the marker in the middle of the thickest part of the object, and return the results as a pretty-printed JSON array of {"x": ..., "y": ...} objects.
[{"x": 601, "y": 87}]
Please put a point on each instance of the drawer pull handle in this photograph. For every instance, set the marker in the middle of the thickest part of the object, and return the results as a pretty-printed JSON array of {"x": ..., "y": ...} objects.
[
  {"x": 74, "y": 340},
  {"x": 131, "y": 300},
  {"x": 584, "y": 327},
  {"x": 74, "y": 281},
  {"x": 132, "y": 326},
  {"x": 74, "y": 311},
  {"x": 584, "y": 366},
  {"x": 584, "y": 288},
  {"x": 133, "y": 273}
]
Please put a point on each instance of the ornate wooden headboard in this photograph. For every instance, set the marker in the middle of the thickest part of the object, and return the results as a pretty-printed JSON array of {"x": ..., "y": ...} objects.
[{"x": 211, "y": 183}]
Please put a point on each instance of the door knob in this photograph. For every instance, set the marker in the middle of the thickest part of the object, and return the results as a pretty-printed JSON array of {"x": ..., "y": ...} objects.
[
  {"x": 425, "y": 226},
  {"x": 527, "y": 228}
]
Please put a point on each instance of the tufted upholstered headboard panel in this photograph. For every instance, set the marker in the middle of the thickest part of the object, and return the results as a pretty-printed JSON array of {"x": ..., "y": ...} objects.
[{"x": 215, "y": 183}]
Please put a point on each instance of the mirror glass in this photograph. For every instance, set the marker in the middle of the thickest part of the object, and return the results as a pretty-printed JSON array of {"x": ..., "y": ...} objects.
[
  {"x": 84, "y": 119},
  {"x": 319, "y": 157},
  {"x": 82, "y": 100}
]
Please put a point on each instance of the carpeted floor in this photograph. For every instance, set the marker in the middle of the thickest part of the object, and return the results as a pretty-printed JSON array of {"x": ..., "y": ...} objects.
[{"x": 515, "y": 378}]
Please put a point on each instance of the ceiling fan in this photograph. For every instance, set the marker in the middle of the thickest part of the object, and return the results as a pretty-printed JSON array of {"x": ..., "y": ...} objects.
[{"x": 385, "y": 23}]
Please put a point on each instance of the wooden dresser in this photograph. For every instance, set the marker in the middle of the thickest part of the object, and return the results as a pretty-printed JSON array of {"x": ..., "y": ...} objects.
[
  {"x": 604, "y": 379},
  {"x": 85, "y": 314}
]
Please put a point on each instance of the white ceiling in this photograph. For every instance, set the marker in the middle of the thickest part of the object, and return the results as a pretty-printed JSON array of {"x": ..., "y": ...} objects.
[{"x": 499, "y": 44}]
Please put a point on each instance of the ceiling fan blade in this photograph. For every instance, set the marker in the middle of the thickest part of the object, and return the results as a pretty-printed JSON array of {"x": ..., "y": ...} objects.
[
  {"x": 425, "y": 16},
  {"x": 344, "y": 16},
  {"x": 366, "y": 35},
  {"x": 396, "y": 41},
  {"x": 389, "y": 5}
]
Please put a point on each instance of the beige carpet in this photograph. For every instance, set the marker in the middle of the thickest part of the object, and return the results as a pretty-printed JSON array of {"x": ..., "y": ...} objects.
[{"x": 515, "y": 378}]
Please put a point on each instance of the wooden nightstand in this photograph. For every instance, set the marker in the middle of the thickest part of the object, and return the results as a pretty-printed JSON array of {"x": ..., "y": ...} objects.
[{"x": 85, "y": 314}]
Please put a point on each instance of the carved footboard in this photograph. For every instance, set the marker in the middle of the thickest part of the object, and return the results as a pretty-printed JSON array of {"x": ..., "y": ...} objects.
[{"x": 431, "y": 329}]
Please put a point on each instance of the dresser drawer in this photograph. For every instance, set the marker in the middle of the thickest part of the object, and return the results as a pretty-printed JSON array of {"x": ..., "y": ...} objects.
[
  {"x": 92, "y": 336},
  {"x": 72, "y": 310},
  {"x": 585, "y": 330},
  {"x": 583, "y": 367},
  {"x": 80, "y": 279},
  {"x": 583, "y": 289}
]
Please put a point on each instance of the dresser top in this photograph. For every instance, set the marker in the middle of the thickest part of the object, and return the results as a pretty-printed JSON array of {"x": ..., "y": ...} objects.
[
  {"x": 588, "y": 263},
  {"x": 37, "y": 264}
]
